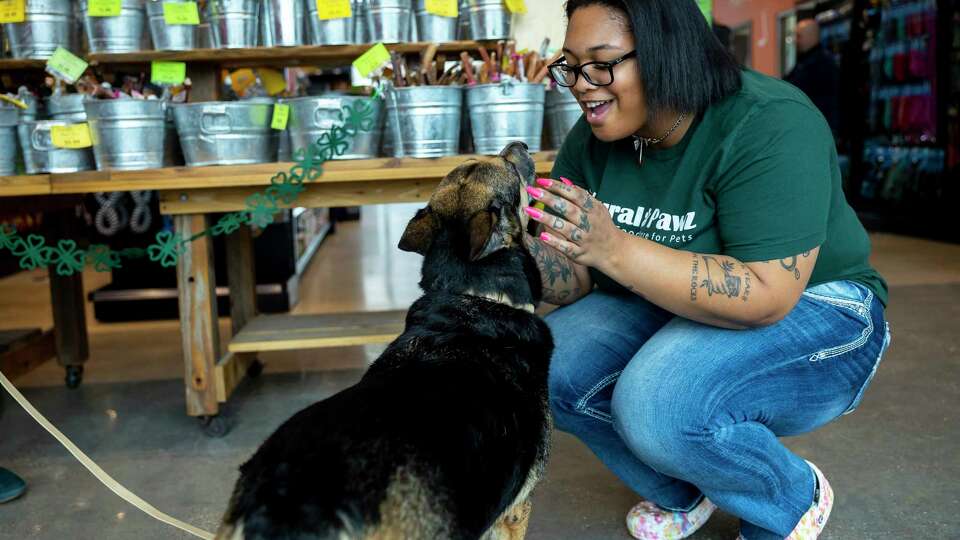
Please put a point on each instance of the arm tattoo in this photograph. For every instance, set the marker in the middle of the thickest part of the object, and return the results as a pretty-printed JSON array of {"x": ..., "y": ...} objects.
[
  {"x": 720, "y": 278},
  {"x": 746, "y": 282},
  {"x": 694, "y": 278},
  {"x": 790, "y": 264},
  {"x": 553, "y": 267}
]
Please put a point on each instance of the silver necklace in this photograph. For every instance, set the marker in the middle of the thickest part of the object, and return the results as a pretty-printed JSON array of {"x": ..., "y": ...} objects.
[{"x": 639, "y": 143}]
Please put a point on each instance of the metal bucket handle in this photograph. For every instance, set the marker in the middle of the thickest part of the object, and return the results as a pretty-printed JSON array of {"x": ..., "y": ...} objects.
[
  {"x": 35, "y": 138},
  {"x": 210, "y": 112},
  {"x": 506, "y": 87},
  {"x": 323, "y": 108}
]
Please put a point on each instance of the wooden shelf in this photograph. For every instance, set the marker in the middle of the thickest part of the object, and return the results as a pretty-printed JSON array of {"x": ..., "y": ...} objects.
[
  {"x": 15, "y": 63},
  {"x": 298, "y": 332},
  {"x": 307, "y": 55},
  {"x": 228, "y": 176}
]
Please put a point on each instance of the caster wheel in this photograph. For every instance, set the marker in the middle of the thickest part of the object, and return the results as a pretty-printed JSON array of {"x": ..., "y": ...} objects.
[
  {"x": 74, "y": 376},
  {"x": 216, "y": 426},
  {"x": 255, "y": 369}
]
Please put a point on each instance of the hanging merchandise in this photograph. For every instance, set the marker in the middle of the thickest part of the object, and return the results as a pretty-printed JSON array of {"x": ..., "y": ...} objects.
[{"x": 111, "y": 217}]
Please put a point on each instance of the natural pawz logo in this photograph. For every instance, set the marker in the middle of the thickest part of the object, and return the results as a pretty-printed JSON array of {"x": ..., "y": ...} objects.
[{"x": 653, "y": 223}]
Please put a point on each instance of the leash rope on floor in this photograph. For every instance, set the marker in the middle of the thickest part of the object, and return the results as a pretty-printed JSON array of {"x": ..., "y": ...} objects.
[{"x": 95, "y": 469}]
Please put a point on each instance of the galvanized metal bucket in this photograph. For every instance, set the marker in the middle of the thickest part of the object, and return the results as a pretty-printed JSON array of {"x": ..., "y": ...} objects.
[
  {"x": 169, "y": 37},
  {"x": 506, "y": 112},
  {"x": 311, "y": 117},
  {"x": 39, "y": 154},
  {"x": 360, "y": 34},
  {"x": 49, "y": 24},
  {"x": 562, "y": 111},
  {"x": 116, "y": 34},
  {"x": 227, "y": 132},
  {"x": 9, "y": 117},
  {"x": 426, "y": 119},
  {"x": 388, "y": 21},
  {"x": 489, "y": 19},
  {"x": 331, "y": 31},
  {"x": 434, "y": 28},
  {"x": 283, "y": 23},
  {"x": 67, "y": 107},
  {"x": 234, "y": 24},
  {"x": 127, "y": 134}
]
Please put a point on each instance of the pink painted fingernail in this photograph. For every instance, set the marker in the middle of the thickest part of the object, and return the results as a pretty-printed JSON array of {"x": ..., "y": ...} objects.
[
  {"x": 534, "y": 192},
  {"x": 546, "y": 237},
  {"x": 545, "y": 182},
  {"x": 565, "y": 181},
  {"x": 533, "y": 212}
]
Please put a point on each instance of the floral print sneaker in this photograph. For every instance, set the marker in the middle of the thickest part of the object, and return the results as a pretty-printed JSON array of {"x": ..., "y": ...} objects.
[
  {"x": 647, "y": 521},
  {"x": 813, "y": 522}
]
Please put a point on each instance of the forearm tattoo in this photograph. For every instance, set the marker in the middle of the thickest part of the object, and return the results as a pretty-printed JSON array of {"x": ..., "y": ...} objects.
[
  {"x": 790, "y": 264},
  {"x": 694, "y": 277},
  {"x": 553, "y": 266},
  {"x": 720, "y": 278}
]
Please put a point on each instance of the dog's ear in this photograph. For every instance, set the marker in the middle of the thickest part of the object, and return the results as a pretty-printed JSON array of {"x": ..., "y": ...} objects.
[
  {"x": 486, "y": 233},
  {"x": 419, "y": 232}
]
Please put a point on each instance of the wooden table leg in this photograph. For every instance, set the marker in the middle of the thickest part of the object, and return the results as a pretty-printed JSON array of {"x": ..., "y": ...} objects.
[
  {"x": 198, "y": 316},
  {"x": 69, "y": 310},
  {"x": 241, "y": 274}
]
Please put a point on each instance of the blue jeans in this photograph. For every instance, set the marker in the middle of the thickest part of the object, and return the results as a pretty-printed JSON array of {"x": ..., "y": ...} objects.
[{"x": 680, "y": 410}]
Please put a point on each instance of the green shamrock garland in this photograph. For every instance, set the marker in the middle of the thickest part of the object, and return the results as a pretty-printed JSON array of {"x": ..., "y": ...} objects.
[{"x": 285, "y": 188}]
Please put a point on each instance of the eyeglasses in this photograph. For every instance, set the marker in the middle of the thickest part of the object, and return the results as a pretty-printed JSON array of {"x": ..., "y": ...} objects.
[{"x": 596, "y": 73}]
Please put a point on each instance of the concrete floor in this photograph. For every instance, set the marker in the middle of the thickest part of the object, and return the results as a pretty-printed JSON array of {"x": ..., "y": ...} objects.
[{"x": 894, "y": 464}]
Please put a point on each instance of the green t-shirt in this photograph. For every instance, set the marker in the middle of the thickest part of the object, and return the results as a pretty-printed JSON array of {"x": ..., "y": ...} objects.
[{"x": 755, "y": 178}]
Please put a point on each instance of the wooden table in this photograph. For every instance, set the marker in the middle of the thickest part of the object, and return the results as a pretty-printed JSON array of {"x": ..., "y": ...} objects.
[{"x": 190, "y": 195}]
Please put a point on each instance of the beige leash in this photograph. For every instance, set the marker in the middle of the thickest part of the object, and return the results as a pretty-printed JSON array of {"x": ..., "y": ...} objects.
[{"x": 95, "y": 469}]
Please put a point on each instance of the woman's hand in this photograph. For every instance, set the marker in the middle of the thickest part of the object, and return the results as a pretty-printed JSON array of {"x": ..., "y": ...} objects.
[{"x": 582, "y": 230}]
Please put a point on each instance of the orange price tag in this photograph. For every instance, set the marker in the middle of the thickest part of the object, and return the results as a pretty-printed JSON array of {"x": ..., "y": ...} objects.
[
  {"x": 333, "y": 9},
  {"x": 13, "y": 11}
]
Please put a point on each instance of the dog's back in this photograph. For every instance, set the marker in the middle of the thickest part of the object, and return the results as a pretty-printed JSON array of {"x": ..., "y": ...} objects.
[{"x": 433, "y": 442}]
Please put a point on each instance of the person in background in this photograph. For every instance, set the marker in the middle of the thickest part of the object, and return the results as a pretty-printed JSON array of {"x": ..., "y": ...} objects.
[
  {"x": 11, "y": 485},
  {"x": 817, "y": 73}
]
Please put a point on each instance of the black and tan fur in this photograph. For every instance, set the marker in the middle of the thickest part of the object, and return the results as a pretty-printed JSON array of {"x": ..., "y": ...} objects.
[{"x": 447, "y": 434}]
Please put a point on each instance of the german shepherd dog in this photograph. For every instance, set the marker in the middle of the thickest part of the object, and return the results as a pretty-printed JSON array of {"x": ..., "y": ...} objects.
[{"x": 447, "y": 433}]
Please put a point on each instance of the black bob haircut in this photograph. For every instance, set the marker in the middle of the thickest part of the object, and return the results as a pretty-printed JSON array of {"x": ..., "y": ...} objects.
[{"x": 683, "y": 66}]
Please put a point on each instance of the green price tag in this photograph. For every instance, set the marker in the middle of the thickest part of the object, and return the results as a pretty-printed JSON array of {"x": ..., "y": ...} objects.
[
  {"x": 172, "y": 73},
  {"x": 66, "y": 65},
  {"x": 281, "y": 114},
  {"x": 706, "y": 6},
  {"x": 371, "y": 60},
  {"x": 103, "y": 8},
  {"x": 183, "y": 13}
]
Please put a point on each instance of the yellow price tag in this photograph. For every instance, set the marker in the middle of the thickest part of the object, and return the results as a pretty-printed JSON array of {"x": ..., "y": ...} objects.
[
  {"x": 13, "y": 11},
  {"x": 334, "y": 9},
  {"x": 281, "y": 114},
  {"x": 183, "y": 13},
  {"x": 71, "y": 136},
  {"x": 104, "y": 8},
  {"x": 172, "y": 73},
  {"x": 371, "y": 60},
  {"x": 66, "y": 65},
  {"x": 516, "y": 6},
  {"x": 443, "y": 8}
]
